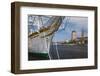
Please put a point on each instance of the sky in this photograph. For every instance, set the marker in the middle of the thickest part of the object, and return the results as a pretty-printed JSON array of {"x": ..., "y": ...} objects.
[{"x": 69, "y": 24}]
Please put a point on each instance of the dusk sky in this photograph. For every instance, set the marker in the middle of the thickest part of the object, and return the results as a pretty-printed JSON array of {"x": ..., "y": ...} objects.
[{"x": 69, "y": 24}]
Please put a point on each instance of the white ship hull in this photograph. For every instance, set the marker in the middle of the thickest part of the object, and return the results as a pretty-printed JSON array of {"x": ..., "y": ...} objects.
[
  {"x": 40, "y": 41},
  {"x": 39, "y": 45}
]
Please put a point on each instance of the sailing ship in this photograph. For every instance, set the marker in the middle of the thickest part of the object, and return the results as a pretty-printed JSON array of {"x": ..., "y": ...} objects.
[{"x": 39, "y": 41}]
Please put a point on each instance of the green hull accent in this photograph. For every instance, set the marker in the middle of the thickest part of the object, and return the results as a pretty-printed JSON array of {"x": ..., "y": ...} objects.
[{"x": 38, "y": 56}]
